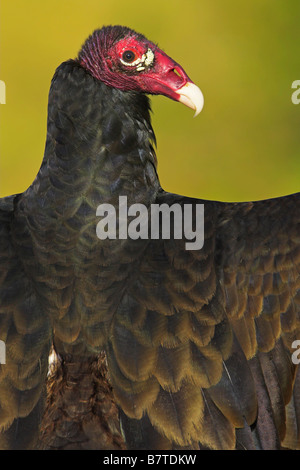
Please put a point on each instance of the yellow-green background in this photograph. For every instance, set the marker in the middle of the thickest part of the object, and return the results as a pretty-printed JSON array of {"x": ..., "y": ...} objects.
[{"x": 245, "y": 144}]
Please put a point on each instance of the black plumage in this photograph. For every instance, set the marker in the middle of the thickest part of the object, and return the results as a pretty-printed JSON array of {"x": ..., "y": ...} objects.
[{"x": 198, "y": 343}]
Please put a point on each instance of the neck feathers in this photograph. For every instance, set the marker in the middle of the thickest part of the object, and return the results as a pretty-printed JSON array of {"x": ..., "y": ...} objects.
[{"x": 99, "y": 142}]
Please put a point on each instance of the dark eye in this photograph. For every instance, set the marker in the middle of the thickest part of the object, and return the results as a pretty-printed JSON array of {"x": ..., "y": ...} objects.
[{"x": 128, "y": 56}]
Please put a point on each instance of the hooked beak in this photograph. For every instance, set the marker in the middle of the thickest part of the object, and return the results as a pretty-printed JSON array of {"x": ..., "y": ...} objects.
[{"x": 191, "y": 96}]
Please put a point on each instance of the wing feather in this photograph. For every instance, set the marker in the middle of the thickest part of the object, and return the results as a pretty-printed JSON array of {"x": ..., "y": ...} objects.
[
  {"x": 26, "y": 332},
  {"x": 200, "y": 345}
]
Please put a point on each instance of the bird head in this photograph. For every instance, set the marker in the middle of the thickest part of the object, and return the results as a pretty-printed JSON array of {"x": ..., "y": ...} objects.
[{"x": 124, "y": 59}]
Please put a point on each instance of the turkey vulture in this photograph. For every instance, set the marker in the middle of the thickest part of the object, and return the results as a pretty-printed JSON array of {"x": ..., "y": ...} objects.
[{"x": 187, "y": 347}]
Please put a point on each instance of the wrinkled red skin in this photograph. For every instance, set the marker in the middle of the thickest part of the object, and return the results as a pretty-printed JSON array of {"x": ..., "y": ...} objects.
[{"x": 163, "y": 76}]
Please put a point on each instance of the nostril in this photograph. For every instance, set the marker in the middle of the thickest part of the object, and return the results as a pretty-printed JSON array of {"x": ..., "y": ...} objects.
[
  {"x": 176, "y": 76},
  {"x": 177, "y": 73}
]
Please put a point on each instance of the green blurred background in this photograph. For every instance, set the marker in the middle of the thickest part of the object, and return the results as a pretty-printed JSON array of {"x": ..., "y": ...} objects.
[{"x": 245, "y": 145}]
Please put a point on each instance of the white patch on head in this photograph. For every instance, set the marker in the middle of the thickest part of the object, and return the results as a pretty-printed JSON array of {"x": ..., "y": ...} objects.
[
  {"x": 149, "y": 57},
  {"x": 146, "y": 59}
]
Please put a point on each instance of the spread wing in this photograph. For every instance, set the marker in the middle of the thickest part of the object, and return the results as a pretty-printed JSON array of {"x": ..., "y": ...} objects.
[
  {"x": 25, "y": 341},
  {"x": 200, "y": 349}
]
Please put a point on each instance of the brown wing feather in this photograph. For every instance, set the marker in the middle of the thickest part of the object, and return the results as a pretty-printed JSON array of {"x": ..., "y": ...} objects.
[
  {"x": 200, "y": 346},
  {"x": 25, "y": 330}
]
